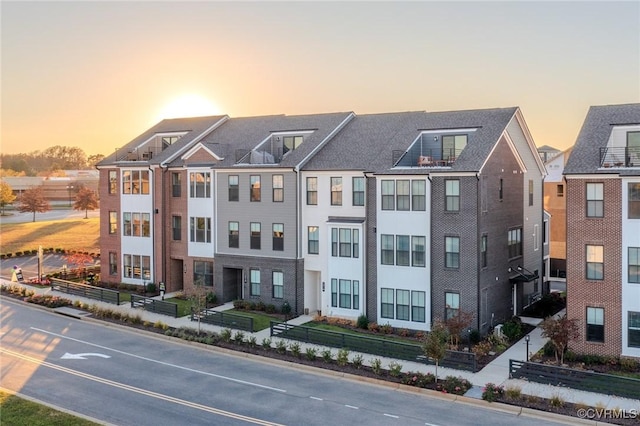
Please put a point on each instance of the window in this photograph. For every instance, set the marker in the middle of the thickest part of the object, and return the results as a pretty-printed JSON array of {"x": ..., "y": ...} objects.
[
  {"x": 336, "y": 191},
  {"x": 113, "y": 222},
  {"x": 402, "y": 250},
  {"x": 452, "y": 195},
  {"x": 113, "y": 263},
  {"x": 278, "y": 236},
  {"x": 254, "y": 190},
  {"x": 514, "y": 242},
  {"x": 176, "y": 227},
  {"x": 345, "y": 242},
  {"x": 234, "y": 188},
  {"x": 334, "y": 242},
  {"x": 136, "y": 266},
  {"x": 560, "y": 190},
  {"x": 234, "y": 234},
  {"x": 530, "y": 192},
  {"x": 595, "y": 262},
  {"x": 418, "y": 194},
  {"x": 277, "y": 183},
  {"x": 386, "y": 244},
  {"x": 334, "y": 292},
  {"x": 595, "y": 200},
  {"x": 402, "y": 195},
  {"x": 126, "y": 224},
  {"x": 254, "y": 282},
  {"x": 358, "y": 191},
  {"x": 255, "y": 236},
  {"x": 200, "y": 184},
  {"x": 113, "y": 181},
  {"x": 312, "y": 191},
  {"x": 291, "y": 142},
  {"x": 452, "y": 252},
  {"x": 536, "y": 242},
  {"x": 633, "y": 259},
  {"x": 451, "y": 305},
  {"x": 278, "y": 284},
  {"x": 633, "y": 327},
  {"x": 386, "y": 303},
  {"x": 634, "y": 199},
  {"x": 452, "y": 146},
  {"x": 418, "y": 306},
  {"x": 356, "y": 243},
  {"x": 388, "y": 195},
  {"x": 200, "y": 230},
  {"x": 135, "y": 182},
  {"x": 313, "y": 233},
  {"x": 483, "y": 251},
  {"x": 595, "y": 324},
  {"x": 203, "y": 273},
  {"x": 501, "y": 190},
  {"x": 402, "y": 305},
  {"x": 136, "y": 224},
  {"x": 418, "y": 251},
  {"x": 345, "y": 294},
  {"x": 356, "y": 294},
  {"x": 176, "y": 184}
]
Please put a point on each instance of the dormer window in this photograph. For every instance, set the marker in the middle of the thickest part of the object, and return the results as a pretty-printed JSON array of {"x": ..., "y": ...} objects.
[
  {"x": 291, "y": 142},
  {"x": 169, "y": 140},
  {"x": 452, "y": 146}
]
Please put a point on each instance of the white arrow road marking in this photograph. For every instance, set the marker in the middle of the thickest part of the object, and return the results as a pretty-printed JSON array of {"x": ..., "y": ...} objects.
[{"x": 83, "y": 356}]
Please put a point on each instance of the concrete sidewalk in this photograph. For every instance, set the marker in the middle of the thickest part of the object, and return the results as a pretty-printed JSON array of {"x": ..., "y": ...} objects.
[{"x": 496, "y": 372}]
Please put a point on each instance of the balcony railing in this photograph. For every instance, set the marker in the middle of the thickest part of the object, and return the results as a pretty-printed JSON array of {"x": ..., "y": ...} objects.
[
  {"x": 426, "y": 158},
  {"x": 620, "y": 157}
]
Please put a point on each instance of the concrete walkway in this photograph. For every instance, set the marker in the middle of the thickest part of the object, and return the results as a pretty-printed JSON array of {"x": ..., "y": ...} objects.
[{"x": 496, "y": 372}]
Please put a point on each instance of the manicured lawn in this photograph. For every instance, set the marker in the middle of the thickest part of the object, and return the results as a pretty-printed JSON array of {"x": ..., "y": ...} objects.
[
  {"x": 17, "y": 411},
  {"x": 184, "y": 305},
  {"x": 73, "y": 234},
  {"x": 338, "y": 329},
  {"x": 260, "y": 321}
]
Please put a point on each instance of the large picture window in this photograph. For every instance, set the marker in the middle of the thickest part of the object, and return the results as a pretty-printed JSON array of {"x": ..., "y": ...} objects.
[
  {"x": 136, "y": 266},
  {"x": 200, "y": 184},
  {"x": 135, "y": 224},
  {"x": 595, "y": 324},
  {"x": 203, "y": 273},
  {"x": 595, "y": 262},
  {"x": 595, "y": 200},
  {"x": 200, "y": 230},
  {"x": 135, "y": 182}
]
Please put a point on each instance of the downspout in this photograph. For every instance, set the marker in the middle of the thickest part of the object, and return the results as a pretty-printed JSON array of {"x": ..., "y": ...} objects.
[
  {"x": 296, "y": 170},
  {"x": 478, "y": 248},
  {"x": 152, "y": 180},
  {"x": 163, "y": 249}
]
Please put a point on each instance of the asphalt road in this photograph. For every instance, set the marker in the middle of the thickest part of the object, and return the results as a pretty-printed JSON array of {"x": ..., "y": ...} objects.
[
  {"x": 14, "y": 216},
  {"x": 130, "y": 378}
]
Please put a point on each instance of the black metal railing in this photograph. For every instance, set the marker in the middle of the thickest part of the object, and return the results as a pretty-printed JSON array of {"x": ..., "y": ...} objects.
[
  {"x": 224, "y": 319},
  {"x": 153, "y": 305},
  {"x": 370, "y": 345},
  {"x": 85, "y": 290},
  {"x": 607, "y": 384},
  {"x": 620, "y": 157},
  {"x": 425, "y": 158}
]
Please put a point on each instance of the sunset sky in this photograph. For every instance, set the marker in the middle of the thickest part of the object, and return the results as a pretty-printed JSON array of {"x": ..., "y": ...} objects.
[{"x": 96, "y": 74}]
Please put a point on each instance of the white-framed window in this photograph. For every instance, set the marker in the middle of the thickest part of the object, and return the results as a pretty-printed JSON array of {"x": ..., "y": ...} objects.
[
  {"x": 403, "y": 199},
  {"x": 514, "y": 242},
  {"x": 200, "y": 229},
  {"x": 113, "y": 263},
  {"x": 386, "y": 249},
  {"x": 418, "y": 195},
  {"x": 312, "y": 191},
  {"x": 234, "y": 188},
  {"x": 277, "y": 183},
  {"x": 418, "y": 304},
  {"x": 255, "y": 191},
  {"x": 452, "y": 195},
  {"x": 386, "y": 303},
  {"x": 136, "y": 266},
  {"x": 254, "y": 280},
  {"x": 402, "y": 305},
  {"x": 135, "y": 181},
  {"x": 200, "y": 184},
  {"x": 595, "y": 200},
  {"x": 136, "y": 224},
  {"x": 418, "y": 251},
  {"x": 203, "y": 272},
  {"x": 278, "y": 284},
  {"x": 633, "y": 329},
  {"x": 113, "y": 181},
  {"x": 595, "y": 324},
  {"x": 633, "y": 208},
  {"x": 388, "y": 194},
  {"x": 633, "y": 259},
  {"x": 113, "y": 222},
  {"x": 451, "y": 305},
  {"x": 336, "y": 191},
  {"x": 176, "y": 184},
  {"x": 595, "y": 262},
  {"x": 344, "y": 293},
  {"x": 313, "y": 233},
  {"x": 358, "y": 190},
  {"x": 452, "y": 252}
]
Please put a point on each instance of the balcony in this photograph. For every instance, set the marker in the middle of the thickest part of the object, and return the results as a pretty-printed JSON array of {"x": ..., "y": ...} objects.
[
  {"x": 619, "y": 157},
  {"x": 425, "y": 158}
]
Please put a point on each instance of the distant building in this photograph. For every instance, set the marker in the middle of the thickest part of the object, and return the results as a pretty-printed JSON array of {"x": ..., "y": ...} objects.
[
  {"x": 547, "y": 152},
  {"x": 555, "y": 205},
  {"x": 58, "y": 189},
  {"x": 603, "y": 232}
]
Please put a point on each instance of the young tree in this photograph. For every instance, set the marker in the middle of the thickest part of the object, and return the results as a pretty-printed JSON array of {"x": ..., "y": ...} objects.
[
  {"x": 456, "y": 325},
  {"x": 198, "y": 298},
  {"x": 560, "y": 331},
  {"x": 85, "y": 200},
  {"x": 33, "y": 200},
  {"x": 435, "y": 344},
  {"x": 6, "y": 196}
]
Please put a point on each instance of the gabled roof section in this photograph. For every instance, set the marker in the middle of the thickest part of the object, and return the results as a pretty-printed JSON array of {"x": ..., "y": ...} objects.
[
  {"x": 372, "y": 142},
  {"x": 148, "y": 148},
  {"x": 590, "y": 150},
  {"x": 235, "y": 140}
]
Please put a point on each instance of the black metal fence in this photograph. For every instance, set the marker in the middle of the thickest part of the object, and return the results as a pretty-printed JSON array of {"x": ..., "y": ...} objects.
[
  {"x": 153, "y": 305},
  {"x": 607, "y": 384},
  {"x": 224, "y": 319},
  {"x": 370, "y": 345},
  {"x": 85, "y": 290}
]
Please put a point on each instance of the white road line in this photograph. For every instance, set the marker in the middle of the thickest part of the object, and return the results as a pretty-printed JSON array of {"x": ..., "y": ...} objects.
[
  {"x": 431, "y": 424},
  {"x": 391, "y": 415},
  {"x": 161, "y": 362},
  {"x": 351, "y": 406},
  {"x": 316, "y": 398},
  {"x": 139, "y": 390}
]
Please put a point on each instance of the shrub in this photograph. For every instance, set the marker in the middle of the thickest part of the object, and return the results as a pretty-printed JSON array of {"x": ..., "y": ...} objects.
[
  {"x": 373, "y": 326},
  {"x": 270, "y": 308},
  {"x": 226, "y": 334},
  {"x": 238, "y": 304},
  {"x": 260, "y": 306},
  {"x": 548, "y": 349},
  {"x": 285, "y": 309},
  {"x": 362, "y": 322},
  {"x": 512, "y": 329},
  {"x": 151, "y": 288},
  {"x": 395, "y": 368},
  {"x": 629, "y": 364},
  {"x": 295, "y": 349},
  {"x": 482, "y": 348},
  {"x": 239, "y": 337},
  {"x": 491, "y": 392},
  {"x": 556, "y": 401},
  {"x": 376, "y": 366},
  {"x": 212, "y": 298},
  {"x": 513, "y": 392},
  {"x": 252, "y": 342},
  {"x": 386, "y": 329},
  {"x": 404, "y": 332},
  {"x": 357, "y": 361},
  {"x": 343, "y": 357},
  {"x": 281, "y": 347},
  {"x": 266, "y": 343},
  {"x": 311, "y": 354},
  {"x": 456, "y": 385},
  {"x": 418, "y": 379},
  {"x": 327, "y": 355}
]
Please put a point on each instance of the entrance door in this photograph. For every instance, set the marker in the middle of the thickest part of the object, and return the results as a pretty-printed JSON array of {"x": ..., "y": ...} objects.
[
  {"x": 176, "y": 283},
  {"x": 231, "y": 284}
]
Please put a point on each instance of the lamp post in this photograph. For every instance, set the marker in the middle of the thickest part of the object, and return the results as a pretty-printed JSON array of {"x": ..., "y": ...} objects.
[{"x": 526, "y": 339}]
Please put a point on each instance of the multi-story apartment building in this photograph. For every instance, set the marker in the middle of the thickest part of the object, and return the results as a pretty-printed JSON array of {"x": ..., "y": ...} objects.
[
  {"x": 603, "y": 232},
  {"x": 402, "y": 217}
]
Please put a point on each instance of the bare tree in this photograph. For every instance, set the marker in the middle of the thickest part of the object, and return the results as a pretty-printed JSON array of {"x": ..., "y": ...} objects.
[
  {"x": 198, "y": 297},
  {"x": 86, "y": 200},
  {"x": 6, "y": 196},
  {"x": 33, "y": 200}
]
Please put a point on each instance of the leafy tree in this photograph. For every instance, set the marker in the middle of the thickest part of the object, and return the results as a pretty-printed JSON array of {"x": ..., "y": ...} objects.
[
  {"x": 197, "y": 295},
  {"x": 435, "y": 344},
  {"x": 33, "y": 200},
  {"x": 6, "y": 195},
  {"x": 457, "y": 324},
  {"x": 66, "y": 158},
  {"x": 560, "y": 331},
  {"x": 94, "y": 159},
  {"x": 86, "y": 200},
  {"x": 79, "y": 260}
]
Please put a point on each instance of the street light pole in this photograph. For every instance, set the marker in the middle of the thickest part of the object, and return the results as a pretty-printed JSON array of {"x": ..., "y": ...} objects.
[{"x": 526, "y": 339}]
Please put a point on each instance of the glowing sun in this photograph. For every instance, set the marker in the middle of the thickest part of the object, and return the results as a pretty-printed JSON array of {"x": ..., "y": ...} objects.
[{"x": 189, "y": 106}]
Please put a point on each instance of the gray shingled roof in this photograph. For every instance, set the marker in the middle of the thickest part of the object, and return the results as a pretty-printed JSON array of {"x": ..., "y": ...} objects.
[
  {"x": 195, "y": 126},
  {"x": 595, "y": 132},
  {"x": 246, "y": 133},
  {"x": 368, "y": 141}
]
